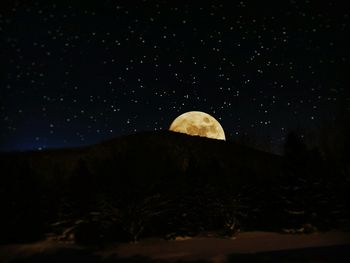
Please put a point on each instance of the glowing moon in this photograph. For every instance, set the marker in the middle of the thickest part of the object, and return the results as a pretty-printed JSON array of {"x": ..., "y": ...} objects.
[{"x": 198, "y": 123}]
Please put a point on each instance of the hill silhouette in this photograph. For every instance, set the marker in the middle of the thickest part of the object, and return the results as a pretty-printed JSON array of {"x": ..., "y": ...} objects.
[
  {"x": 163, "y": 184},
  {"x": 153, "y": 152}
]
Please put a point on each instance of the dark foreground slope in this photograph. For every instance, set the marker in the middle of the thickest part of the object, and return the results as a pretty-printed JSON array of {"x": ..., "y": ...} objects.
[{"x": 161, "y": 184}]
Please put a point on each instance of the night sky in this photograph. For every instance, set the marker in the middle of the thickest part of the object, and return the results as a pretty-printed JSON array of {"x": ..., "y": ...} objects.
[{"x": 76, "y": 74}]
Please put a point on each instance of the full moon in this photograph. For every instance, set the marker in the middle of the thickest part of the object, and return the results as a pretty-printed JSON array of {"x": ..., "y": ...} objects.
[{"x": 198, "y": 123}]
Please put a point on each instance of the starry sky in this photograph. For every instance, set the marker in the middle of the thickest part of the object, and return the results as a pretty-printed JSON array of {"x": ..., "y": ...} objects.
[{"x": 75, "y": 73}]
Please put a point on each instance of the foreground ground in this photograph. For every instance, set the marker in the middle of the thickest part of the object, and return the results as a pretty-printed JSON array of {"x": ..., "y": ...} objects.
[{"x": 248, "y": 246}]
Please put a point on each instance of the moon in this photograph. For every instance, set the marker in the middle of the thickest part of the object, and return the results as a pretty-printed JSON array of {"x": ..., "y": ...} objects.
[{"x": 197, "y": 123}]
